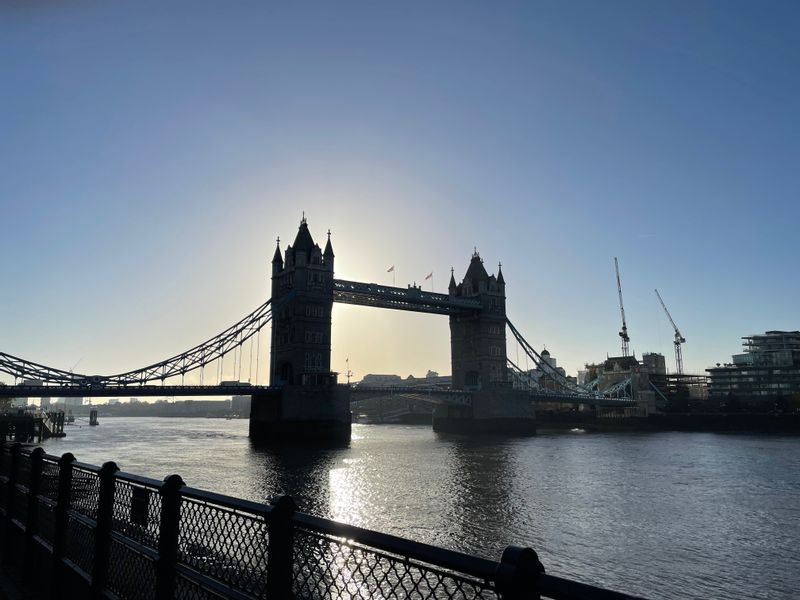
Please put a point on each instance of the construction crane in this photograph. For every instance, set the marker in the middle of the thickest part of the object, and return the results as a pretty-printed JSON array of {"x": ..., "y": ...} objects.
[
  {"x": 679, "y": 339},
  {"x": 624, "y": 332}
]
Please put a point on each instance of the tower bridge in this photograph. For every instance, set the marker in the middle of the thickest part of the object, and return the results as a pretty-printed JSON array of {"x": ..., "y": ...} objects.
[{"x": 303, "y": 398}]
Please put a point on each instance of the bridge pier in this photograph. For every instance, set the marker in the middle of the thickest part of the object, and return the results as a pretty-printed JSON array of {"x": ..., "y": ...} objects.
[
  {"x": 301, "y": 414},
  {"x": 500, "y": 411}
]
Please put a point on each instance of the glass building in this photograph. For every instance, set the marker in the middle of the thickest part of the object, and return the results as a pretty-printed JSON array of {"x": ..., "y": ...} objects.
[{"x": 769, "y": 368}]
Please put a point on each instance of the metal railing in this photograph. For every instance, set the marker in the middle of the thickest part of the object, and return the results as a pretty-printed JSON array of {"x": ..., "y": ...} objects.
[{"x": 78, "y": 530}]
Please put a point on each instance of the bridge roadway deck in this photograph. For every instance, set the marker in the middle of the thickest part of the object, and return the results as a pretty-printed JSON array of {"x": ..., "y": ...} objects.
[{"x": 76, "y": 391}]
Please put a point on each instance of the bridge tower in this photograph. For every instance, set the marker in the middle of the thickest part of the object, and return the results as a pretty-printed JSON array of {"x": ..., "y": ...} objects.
[
  {"x": 478, "y": 339},
  {"x": 478, "y": 358},
  {"x": 302, "y": 296},
  {"x": 305, "y": 403}
]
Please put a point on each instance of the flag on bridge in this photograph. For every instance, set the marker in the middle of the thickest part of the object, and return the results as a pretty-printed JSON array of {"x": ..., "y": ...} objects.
[
  {"x": 429, "y": 276},
  {"x": 390, "y": 269}
]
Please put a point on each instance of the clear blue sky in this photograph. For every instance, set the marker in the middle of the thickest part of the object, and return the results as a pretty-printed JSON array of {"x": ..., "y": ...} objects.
[{"x": 151, "y": 152}]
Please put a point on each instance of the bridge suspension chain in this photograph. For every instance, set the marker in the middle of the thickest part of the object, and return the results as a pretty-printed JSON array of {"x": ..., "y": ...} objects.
[
  {"x": 195, "y": 358},
  {"x": 546, "y": 367}
]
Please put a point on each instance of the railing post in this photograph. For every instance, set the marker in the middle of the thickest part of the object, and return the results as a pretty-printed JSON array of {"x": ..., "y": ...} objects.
[
  {"x": 32, "y": 524},
  {"x": 280, "y": 559},
  {"x": 168, "y": 534},
  {"x": 60, "y": 534},
  {"x": 518, "y": 574},
  {"x": 13, "y": 475},
  {"x": 102, "y": 532}
]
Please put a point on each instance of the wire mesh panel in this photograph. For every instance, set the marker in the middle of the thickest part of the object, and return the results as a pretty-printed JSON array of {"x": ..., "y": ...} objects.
[
  {"x": 5, "y": 462},
  {"x": 130, "y": 573},
  {"x": 327, "y": 567},
  {"x": 4, "y": 487},
  {"x": 137, "y": 512},
  {"x": 85, "y": 492},
  {"x": 48, "y": 482},
  {"x": 46, "y": 520},
  {"x": 24, "y": 473},
  {"x": 80, "y": 544},
  {"x": 225, "y": 544},
  {"x": 19, "y": 504}
]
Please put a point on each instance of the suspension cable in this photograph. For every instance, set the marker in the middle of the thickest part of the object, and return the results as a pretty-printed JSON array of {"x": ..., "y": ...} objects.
[
  {"x": 258, "y": 352},
  {"x": 250, "y": 371},
  {"x": 194, "y": 358},
  {"x": 546, "y": 367}
]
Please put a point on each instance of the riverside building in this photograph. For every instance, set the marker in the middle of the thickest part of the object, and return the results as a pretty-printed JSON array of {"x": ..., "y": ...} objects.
[{"x": 766, "y": 373}]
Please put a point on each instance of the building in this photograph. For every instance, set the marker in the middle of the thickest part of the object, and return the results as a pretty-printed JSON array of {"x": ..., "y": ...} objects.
[
  {"x": 380, "y": 380},
  {"x": 431, "y": 379},
  {"x": 767, "y": 372},
  {"x": 542, "y": 375},
  {"x": 654, "y": 363}
]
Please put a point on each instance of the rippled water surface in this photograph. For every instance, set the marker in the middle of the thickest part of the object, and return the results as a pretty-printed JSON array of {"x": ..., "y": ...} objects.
[{"x": 666, "y": 515}]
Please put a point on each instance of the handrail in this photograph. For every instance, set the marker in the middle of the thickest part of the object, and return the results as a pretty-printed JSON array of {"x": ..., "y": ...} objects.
[
  {"x": 449, "y": 559},
  {"x": 226, "y": 501}
]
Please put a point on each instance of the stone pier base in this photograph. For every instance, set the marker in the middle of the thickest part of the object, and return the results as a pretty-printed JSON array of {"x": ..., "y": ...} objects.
[
  {"x": 301, "y": 415},
  {"x": 507, "y": 412}
]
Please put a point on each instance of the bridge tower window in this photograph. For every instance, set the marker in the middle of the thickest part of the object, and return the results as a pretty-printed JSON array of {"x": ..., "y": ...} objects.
[
  {"x": 313, "y": 337},
  {"x": 313, "y": 362},
  {"x": 287, "y": 373},
  {"x": 315, "y": 310},
  {"x": 472, "y": 380}
]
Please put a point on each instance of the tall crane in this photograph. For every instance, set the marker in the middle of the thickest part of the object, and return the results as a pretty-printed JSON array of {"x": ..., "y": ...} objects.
[
  {"x": 624, "y": 331},
  {"x": 679, "y": 339}
]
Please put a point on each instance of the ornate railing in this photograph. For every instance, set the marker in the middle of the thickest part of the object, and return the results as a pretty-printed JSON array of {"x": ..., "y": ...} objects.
[{"x": 77, "y": 530}]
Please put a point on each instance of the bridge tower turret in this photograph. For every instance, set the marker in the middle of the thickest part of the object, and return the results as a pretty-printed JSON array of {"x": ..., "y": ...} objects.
[
  {"x": 478, "y": 338},
  {"x": 302, "y": 299}
]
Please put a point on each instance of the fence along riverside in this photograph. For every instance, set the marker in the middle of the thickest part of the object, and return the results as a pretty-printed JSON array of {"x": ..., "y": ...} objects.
[{"x": 76, "y": 530}]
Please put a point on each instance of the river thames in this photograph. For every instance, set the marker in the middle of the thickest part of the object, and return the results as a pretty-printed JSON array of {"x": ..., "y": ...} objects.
[{"x": 662, "y": 515}]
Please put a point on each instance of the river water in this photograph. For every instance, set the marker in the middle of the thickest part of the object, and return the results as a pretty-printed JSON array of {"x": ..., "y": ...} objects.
[{"x": 662, "y": 515}]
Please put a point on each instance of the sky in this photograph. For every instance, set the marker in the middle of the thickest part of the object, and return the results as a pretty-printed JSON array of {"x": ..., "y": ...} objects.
[{"x": 151, "y": 153}]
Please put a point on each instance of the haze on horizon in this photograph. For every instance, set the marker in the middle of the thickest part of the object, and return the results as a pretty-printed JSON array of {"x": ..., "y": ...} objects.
[{"x": 150, "y": 156}]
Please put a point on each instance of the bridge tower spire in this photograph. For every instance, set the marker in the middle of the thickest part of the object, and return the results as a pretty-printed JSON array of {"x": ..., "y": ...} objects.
[
  {"x": 277, "y": 259},
  {"x": 478, "y": 338}
]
